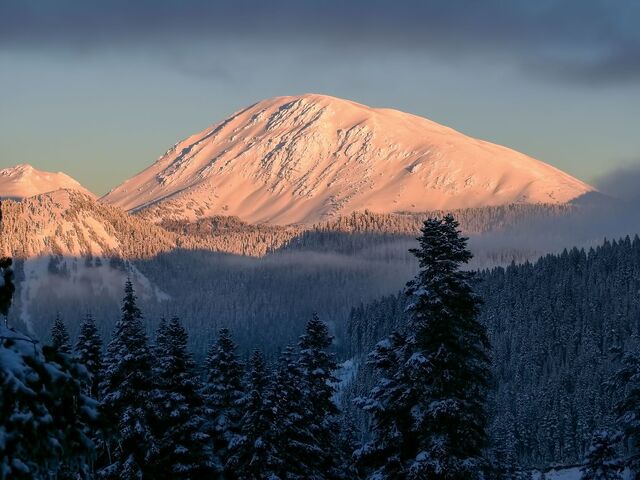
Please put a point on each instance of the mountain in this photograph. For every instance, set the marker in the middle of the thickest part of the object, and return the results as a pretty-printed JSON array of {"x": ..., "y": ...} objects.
[
  {"x": 308, "y": 158},
  {"x": 23, "y": 181},
  {"x": 72, "y": 223}
]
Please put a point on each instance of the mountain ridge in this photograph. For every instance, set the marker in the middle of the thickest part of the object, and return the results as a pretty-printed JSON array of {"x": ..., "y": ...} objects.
[{"x": 302, "y": 159}]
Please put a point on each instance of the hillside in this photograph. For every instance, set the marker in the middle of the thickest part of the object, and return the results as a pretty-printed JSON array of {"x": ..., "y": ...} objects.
[{"x": 68, "y": 222}]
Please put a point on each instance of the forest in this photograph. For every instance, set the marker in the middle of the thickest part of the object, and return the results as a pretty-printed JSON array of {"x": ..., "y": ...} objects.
[{"x": 490, "y": 374}]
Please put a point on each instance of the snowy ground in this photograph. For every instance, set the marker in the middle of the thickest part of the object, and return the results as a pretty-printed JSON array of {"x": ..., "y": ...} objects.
[{"x": 569, "y": 474}]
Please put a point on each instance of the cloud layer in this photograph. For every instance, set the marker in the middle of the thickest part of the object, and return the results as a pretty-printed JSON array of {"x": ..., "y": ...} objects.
[{"x": 586, "y": 41}]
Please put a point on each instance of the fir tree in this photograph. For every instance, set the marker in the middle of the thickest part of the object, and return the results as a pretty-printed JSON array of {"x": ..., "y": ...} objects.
[
  {"x": 504, "y": 466},
  {"x": 126, "y": 390},
  {"x": 349, "y": 442},
  {"x": 295, "y": 448},
  {"x": 178, "y": 414},
  {"x": 252, "y": 454},
  {"x": 317, "y": 367},
  {"x": 222, "y": 392},
  {"x": 627, "y": 382},
  {"x": 7, "y": 287},
  {"x": 601, "y": 461},
  {"x": 45, "y": 418},
  {"x": 389, "y": 410},
  {"x": 437, "y": 374},
  {"x": 89, "y": 352},
  {"x": 59, "y": 336}
]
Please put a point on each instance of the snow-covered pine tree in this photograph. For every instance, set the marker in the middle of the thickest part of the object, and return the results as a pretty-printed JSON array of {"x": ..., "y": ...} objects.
[
  {"x": 45, "y": 418},
  {"x": 627, "y": 382},
  {"x": 295, "y": 447},
  {"x": 178, "y": 416},
  {"x": 318, "y": 368},
  {"x": 251, "y": 452},
  {"x": 349, "y": 442},
  {"x": 59, "y": 336},
  {"x": 504, "y": 466},
  {"x": 222, "y": 391},
  {"x": 389, "y": 410},
  {"x": 440, "y": 373},
  {"x": 7, "y": 287},
  {"x": 88, "y": 351},
  {"x": 601, "y": 462},
  {"x": 126, "y": 393}
]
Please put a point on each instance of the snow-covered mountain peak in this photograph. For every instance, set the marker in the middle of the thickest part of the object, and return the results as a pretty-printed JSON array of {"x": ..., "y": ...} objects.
[
  {"x": 23, "y": 181},
  {"x": 304, "y": 158}
]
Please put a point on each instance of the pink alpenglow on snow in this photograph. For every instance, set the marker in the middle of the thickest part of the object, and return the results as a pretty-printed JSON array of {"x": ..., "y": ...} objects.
[
  {"x": 305, "y": 158},
  {"x": 24, "y": 181}
]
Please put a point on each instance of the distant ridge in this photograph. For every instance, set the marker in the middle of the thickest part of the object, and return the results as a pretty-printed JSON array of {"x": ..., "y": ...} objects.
[{"x": 23, "y": 181}]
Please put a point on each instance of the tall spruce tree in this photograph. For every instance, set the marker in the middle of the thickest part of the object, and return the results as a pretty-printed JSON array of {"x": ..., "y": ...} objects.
[
  {"x": 59, "y": 336},
  {"x": 89, "y": 352},
  {"x": 45, "y": 419},
  {"x": 318, "y": 368},
  {"x": 178, "y": 415},
  {"x": 7, "y": 286},
  {"x": 222, "y": 392},
  {"x": 295, "y": 448},
  {"x": 126, "y": 396},
  {"x": 601, "y": 462},
  {"x": 435, "y": 373},
  {"x": 252, "y": 452},
  {"x": 627, "y": 382}
]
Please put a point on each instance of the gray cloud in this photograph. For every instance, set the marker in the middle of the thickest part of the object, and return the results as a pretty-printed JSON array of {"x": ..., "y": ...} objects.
[
  {"x": 622, "y": 183},
  {"x": 589, "y": 41}
]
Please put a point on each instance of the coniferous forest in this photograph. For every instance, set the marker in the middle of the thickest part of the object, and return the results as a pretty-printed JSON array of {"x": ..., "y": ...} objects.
[{"x": 462, "y": 375}]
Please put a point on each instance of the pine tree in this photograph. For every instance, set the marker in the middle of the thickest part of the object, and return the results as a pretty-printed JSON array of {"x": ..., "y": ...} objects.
[
  {"x": 349, "y": 442},
  {"x": 389, "y": 410},
  {"x": 317, "y": 367},
  {"x": 436, "y": 375},
  {"x": 295, "y": 447},
  {"x": 45, "y": 418},
  {"x": 7, "y": 287},
  {"x": 601, "y": 461},
  {"x": 178, "y": 415},
  {"x": 222, "y": 392},
  {"x": 89, "y": 352},
  {"x": 252, "y": 454},
  {"x": 626, "y": 381},
  {"x": 126, "y": 390},
  {"x": 59, "y": 336},
  {"x": 504, "y": 465}
]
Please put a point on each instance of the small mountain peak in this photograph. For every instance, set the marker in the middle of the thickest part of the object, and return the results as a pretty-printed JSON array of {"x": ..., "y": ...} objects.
[
  {"x": 23, "y": 180},
  {"x": 20, "y": 169}
]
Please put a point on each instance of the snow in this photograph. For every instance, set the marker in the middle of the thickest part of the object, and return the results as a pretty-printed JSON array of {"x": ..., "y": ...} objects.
[
  {"x": 23, "y": 181},
  {"x": 300, "y": 159},
  {"x": 570, "y": 474}
]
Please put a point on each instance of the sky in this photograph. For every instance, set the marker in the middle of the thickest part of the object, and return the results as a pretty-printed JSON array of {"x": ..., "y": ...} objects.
[{"x": 101, "y": 89}]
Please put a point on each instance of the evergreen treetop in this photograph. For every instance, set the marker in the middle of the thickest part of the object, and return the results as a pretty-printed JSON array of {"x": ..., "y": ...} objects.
[{"x": 60, "y": 337}]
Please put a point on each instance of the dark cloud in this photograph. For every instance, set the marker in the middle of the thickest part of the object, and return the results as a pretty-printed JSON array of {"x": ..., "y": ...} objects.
[{"x": 591, "y": 41}]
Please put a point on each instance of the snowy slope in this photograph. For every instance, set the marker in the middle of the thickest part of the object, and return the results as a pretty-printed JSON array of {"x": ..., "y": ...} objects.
[
  {"x": 302, "y": 159},
  {"x": 24, "y": 181},
  {"x": 69, "y": 222}
]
